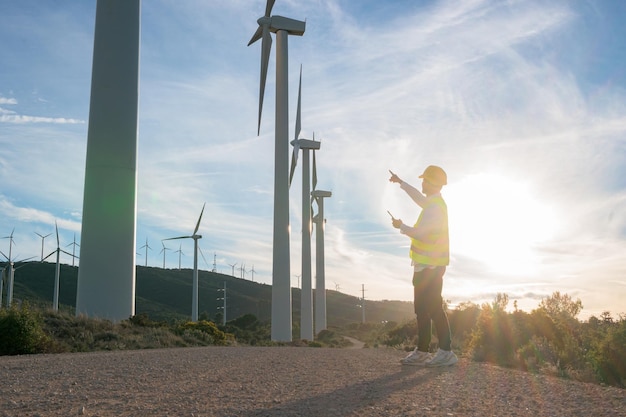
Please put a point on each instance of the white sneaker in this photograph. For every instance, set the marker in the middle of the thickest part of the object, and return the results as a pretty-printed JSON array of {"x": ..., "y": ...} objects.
[
  {"x": 442, "y": 358},
  {"x": 416, "y": 358}
]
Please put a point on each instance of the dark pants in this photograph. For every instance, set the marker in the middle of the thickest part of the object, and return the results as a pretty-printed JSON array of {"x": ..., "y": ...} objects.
[{"x": 427, "y": 286}]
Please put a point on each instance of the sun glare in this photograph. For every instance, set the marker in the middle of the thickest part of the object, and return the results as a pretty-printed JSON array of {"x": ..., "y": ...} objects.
[{"x": 498, "y": 222}]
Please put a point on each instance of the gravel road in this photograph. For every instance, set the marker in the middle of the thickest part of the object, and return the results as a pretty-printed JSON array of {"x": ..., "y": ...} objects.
[{"x": 284, "y": 381}]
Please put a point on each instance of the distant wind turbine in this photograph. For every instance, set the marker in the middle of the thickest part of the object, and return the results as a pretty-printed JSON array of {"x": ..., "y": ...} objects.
[
  {"x": 4, "y": 268},
  {"x": 9, "y": 269},
  {"x": 11, "y": 243},
  {"x": 306, "y": 293},
  {"x": 233, "y": 267},
  {"x": 43, "y": 237},
  {"x": 163, "y": 251},
  {"x": 195, "y": 236},
  {"x": 146, "y": 246},
  {"x": 57, "y": 275},
  {"x": 180, "y": 254},
  {"x": 281, "y": 288},
  {"x": 73, "y": 245}
]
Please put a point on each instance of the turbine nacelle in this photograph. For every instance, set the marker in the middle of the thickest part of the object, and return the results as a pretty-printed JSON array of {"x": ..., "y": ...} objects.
[
  {"x": 321, "y": 193},
  {"x": 306, "y": 144}
]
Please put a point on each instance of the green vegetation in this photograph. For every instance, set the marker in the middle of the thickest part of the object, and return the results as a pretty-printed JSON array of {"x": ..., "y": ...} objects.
[{"x": 549, "y": 339}]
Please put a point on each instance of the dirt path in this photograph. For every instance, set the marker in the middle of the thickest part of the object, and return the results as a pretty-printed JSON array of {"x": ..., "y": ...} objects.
[{"x": 283, "y": 381}]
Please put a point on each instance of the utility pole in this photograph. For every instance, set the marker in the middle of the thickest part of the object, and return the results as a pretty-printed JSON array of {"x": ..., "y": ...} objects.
[
  {"x": 223, "y": 308},
  {"x": 214, "y": 262},
  {"x": 363, "y": 302}
]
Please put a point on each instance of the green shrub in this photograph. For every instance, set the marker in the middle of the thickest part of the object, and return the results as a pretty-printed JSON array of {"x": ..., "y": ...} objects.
[
  {"x": 608, "y": 356},
  {"x": 21, "y": 331},
  {"x": 205, "y": 331}
]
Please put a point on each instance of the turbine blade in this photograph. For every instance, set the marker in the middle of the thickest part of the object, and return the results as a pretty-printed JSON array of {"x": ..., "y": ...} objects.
[
  {"x": 294, "y": 162},
  {"x": 268, "y": 7},
  {"x": 57, "y": 229},
  {"x": 257, "y": 35},
  {"x": 202, "y": 254},
  {"x": 266, "y": 47},
  {"x": 298, "y": 112},
  {"x": 199, "y": 218},
  {"x": 51, "y": 253},
  {"x": 179, "y": 237}
]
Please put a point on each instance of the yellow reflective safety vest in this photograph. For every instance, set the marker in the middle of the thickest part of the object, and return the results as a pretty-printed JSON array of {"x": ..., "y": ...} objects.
[{"x": 435, "y": 249}]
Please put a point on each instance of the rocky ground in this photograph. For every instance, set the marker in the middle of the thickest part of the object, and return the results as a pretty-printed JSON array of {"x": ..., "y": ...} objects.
[{"x": 284, "y": 381}]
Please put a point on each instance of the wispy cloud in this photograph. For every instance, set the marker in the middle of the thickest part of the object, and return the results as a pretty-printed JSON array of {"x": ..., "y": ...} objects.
[{"x": 23, "y": 119}]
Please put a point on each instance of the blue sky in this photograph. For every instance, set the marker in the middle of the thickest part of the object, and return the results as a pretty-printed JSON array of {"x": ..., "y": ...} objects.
[{"x": 522, "y": 102}]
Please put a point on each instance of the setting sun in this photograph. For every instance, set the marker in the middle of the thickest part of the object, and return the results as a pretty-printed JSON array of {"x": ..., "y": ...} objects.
[{"x": 498, "y": 222}]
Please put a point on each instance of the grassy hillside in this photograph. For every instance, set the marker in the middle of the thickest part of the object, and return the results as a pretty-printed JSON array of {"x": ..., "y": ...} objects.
[{"x": 165, "y": 294}]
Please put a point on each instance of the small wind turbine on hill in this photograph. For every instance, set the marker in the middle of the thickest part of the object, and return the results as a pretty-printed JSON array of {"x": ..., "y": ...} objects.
[
  {"x": 195, "y": 236},
  {"x": 306, "y": 294},
  {"x": 281, "y": 289},
  {"x": 57, "y": 275},
  {"x": 10, "y": 268},
  {"x": 43, "y": 237},
  {"x": 163, "y": 251},
  {"x": 146, "y": 246},
  {"x": 180, "y": 254},
  {"x": 233, "y": 268},
  {"x": 11, "y": 242},
  {"x": 73, "y": 245}
]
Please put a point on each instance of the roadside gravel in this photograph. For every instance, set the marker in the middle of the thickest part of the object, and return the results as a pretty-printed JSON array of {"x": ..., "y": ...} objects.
[{"x": 284, "y": 381}]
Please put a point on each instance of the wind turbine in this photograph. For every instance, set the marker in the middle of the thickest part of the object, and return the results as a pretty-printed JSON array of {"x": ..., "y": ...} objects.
[
  {"x": 320, "y": 280},
  {"x": 233, "y": 267},
  {"x": 10, "y": 269},
  {"x": 281, "y": 289},
  {"x": 195, "y": 236},
  {"x": 43, "y": 237},
  {"x": 11, "y": 242},
  {"x": 2, "y": 283},
  {"x": 180, "y": 254},
  {"x": 73, "y": 245},
  {"x": 106, "y": 276},
  {"x": 306, "y": 293},
  {"x": 147, "y": 247},
  {"x": 163, "y": 251},
  {"x": 57, "y": 275}
]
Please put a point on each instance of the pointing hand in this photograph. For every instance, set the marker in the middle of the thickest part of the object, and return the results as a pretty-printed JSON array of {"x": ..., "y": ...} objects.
[{"x": 394, "y": 177}]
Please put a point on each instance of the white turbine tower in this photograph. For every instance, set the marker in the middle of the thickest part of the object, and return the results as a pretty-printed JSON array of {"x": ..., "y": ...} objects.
[
  {"x": 306, "y": 292},
  {"x": 57, "y": 274},
  {"x": 43, "y": 237},
  {"x": 195, "y": 236},
  {"x": 320, "y": 278},
  {"x": 106, "y": 276},
  {"x": 281, "y": 288}
]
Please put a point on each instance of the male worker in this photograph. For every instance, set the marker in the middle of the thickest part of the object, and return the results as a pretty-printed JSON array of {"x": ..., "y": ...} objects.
[{"x": 429, "y": 254}]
